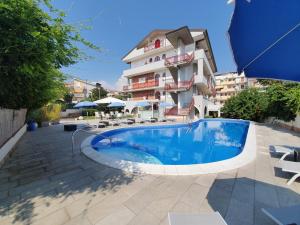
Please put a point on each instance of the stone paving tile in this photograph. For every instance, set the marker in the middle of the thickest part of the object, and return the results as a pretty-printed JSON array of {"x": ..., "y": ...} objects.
[
  {"x": 145, "y": 217},
  {"x": 57, "y": 218},
  {"x": 120, "y": 216},
  {"x": 41, "y": 182}
]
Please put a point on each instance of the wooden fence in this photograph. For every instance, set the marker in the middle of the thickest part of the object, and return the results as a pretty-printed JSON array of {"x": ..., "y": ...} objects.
[{"x": 10, "y": 122}]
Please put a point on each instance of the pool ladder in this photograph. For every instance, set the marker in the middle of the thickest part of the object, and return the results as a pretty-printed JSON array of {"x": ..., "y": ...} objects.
[
  {"x": 88, "y": 132},
  {"x": 190, "y": 124}
]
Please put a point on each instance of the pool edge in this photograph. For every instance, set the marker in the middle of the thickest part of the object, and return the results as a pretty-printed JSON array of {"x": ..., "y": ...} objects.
[{"x": 245, "y": 157}]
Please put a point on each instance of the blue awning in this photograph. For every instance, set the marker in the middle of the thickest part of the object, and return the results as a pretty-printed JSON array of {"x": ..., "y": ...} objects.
[
  {"x": 265, "y": 38},
  {"x": 142, "y": 104},
  {"x": 85, "y": 104}
]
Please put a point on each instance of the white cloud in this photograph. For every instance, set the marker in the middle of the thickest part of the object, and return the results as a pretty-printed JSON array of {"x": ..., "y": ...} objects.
[
  {"x": 106, "y": 85},
  {"x": 120, "y": 83}
]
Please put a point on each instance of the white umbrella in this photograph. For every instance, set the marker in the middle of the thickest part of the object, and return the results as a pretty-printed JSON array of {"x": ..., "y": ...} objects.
[{"x": 108, "y": 100}]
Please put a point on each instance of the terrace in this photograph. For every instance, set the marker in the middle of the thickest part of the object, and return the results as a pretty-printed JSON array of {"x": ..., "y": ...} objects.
[{"x": 42, "y": 183}]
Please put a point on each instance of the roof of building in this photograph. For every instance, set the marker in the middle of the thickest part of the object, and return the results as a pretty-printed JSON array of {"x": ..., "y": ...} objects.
[{"x": 158, "y": 32}]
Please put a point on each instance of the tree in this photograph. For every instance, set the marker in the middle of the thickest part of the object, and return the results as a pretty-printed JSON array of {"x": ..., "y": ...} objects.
[
  {"x": 33, "y": 47},
  {"x": 94, "y": 95},
  {"x": 249, "y": 104},
  {"x": 68, "y": 97},
  {"x": 284, "y": 100}
]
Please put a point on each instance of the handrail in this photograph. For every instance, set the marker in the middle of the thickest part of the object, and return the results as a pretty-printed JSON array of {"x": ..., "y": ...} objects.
[{"x": 89, "y": 132}]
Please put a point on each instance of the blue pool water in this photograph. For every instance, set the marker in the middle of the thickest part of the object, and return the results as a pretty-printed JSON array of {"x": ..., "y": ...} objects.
[{"x": 203, "y": 141}]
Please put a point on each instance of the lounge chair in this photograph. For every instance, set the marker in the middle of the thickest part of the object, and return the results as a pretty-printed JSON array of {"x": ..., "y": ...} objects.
[
  {"x": 291, "y": 167},
  {"x": 114, "y": 123},
  {"x": 279, "y": 149},
  {"x": 127, "y": 121},
  {"x": 162, "y": 119},
  {"x": 139, "y": 120},
  {"x": 285, "y": 215},
  {"x": 97, "y": 115},
  {"x": 151, "y": 120},
  {"x": 196, "y": 219}
]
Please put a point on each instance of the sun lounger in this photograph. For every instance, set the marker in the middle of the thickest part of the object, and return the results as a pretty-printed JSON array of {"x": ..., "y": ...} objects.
[
  {"x": 140, "y": 120},
  {"x": 278, "y": 149},
  {"x": 106, "y": 122},
  {"x": 291, "y": 167},
  {"x": 285, "y": 215},
  {"x": 114, "y": 123},
  {"x": 162, "y": 119},
  {"x": 196, "y": 219},
  {"x": 127, "y": 122},
  {"x": 131, "y": 119},
  {"x": 101, "y": 125}
]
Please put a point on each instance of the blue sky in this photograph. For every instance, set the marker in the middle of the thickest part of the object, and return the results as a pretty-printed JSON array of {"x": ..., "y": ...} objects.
[{"x": 118, "y": 25}]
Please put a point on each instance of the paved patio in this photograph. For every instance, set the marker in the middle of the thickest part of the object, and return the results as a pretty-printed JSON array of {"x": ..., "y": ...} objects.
[{"x": 41, "y": 183}]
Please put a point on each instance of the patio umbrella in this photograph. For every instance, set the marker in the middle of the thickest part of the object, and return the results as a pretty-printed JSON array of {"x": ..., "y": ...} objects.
[
  {"x": 108, "y": 100},
  {"x": 85, "y": 104},
  {"x": 142, "y": 104},
  {"x": 166, "y": 104},
  {"x": 265, "y": 38},
  {"x": 116, "y": 104}
]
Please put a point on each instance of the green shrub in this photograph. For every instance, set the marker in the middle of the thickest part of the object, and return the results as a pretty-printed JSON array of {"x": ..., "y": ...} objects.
[
  {"x": 89, "y": 112},
  {"x": 49, "y": 112},
  {"x": 249, "y": 104}
]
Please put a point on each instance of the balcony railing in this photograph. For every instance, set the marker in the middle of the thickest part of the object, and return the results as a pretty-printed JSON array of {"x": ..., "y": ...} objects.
[
  {"x": 186, "y": 84},
  {"x": 134, "y": 86},
  {"x": 187, "y": 110},
  {"x": 141, "y": 98},
  {"x": 179, "y": 59},
  {"x": 181, "y": 112},
  {"x": 152, "y": 46}
]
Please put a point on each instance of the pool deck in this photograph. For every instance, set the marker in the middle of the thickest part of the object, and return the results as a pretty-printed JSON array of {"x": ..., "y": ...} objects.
[{"x": 42, "y": 183}]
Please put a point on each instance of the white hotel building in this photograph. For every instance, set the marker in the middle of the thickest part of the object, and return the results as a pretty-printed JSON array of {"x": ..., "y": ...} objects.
[{"x": 175, "y": 66}]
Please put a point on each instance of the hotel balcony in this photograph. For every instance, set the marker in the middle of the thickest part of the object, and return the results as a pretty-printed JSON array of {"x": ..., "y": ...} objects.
[
  {"x": 141, "y": 86},
  {"x": 185, "y": 111},
  {"x": 142, "y": 98},
  {"x": 147, "y": 68},
  {"x": 180, "y": 85},
  {"x": 179, "y": 60},
  {"x": 153, "y": 46}
]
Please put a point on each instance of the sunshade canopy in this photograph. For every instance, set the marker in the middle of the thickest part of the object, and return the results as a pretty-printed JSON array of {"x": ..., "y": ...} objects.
[
  {"x": 265, "y": 38},
  {"x": 142, "y": 104},
  {"x": 166, "y": 104},
  {"x": 108, "y": 100},
  {"x": 116, "y": 104},
  {"x": 85, "y": 104}
]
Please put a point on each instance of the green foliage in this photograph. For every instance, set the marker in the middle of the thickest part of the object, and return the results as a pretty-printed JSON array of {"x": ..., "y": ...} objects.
[
  {"x": 284, "y": 100},
  {"x": 96, "y": 95},
  {"x": 89, "y": 112},
  {"x": 50, "y": 112},
  {"x": 33, "y": 47},
  {"x": 249, "y": 104},
  {"x": 68, "y": 97},
  {"x": 281, "y": 100}
]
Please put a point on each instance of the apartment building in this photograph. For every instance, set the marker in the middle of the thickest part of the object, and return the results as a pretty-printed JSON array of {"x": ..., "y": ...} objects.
[
  {"x": 229, "y": 84},
  {"x": 174, "y": 66},
  {"x": 80, "y": 88}
]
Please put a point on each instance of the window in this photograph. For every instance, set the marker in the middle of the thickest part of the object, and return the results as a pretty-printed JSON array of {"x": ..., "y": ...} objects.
[
  {"x": 157, "y": 43},
  {"x": 142, "y": 80},
  {"x": 150, "y": 60},
  {"x": 164, "y": 75},
  {"x": 157, "y": 58},
  {"x": 163, "y": 56}
]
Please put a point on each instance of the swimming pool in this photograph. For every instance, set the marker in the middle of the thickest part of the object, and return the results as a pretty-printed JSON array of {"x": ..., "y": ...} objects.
[{"x": 172, "y": 148}]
